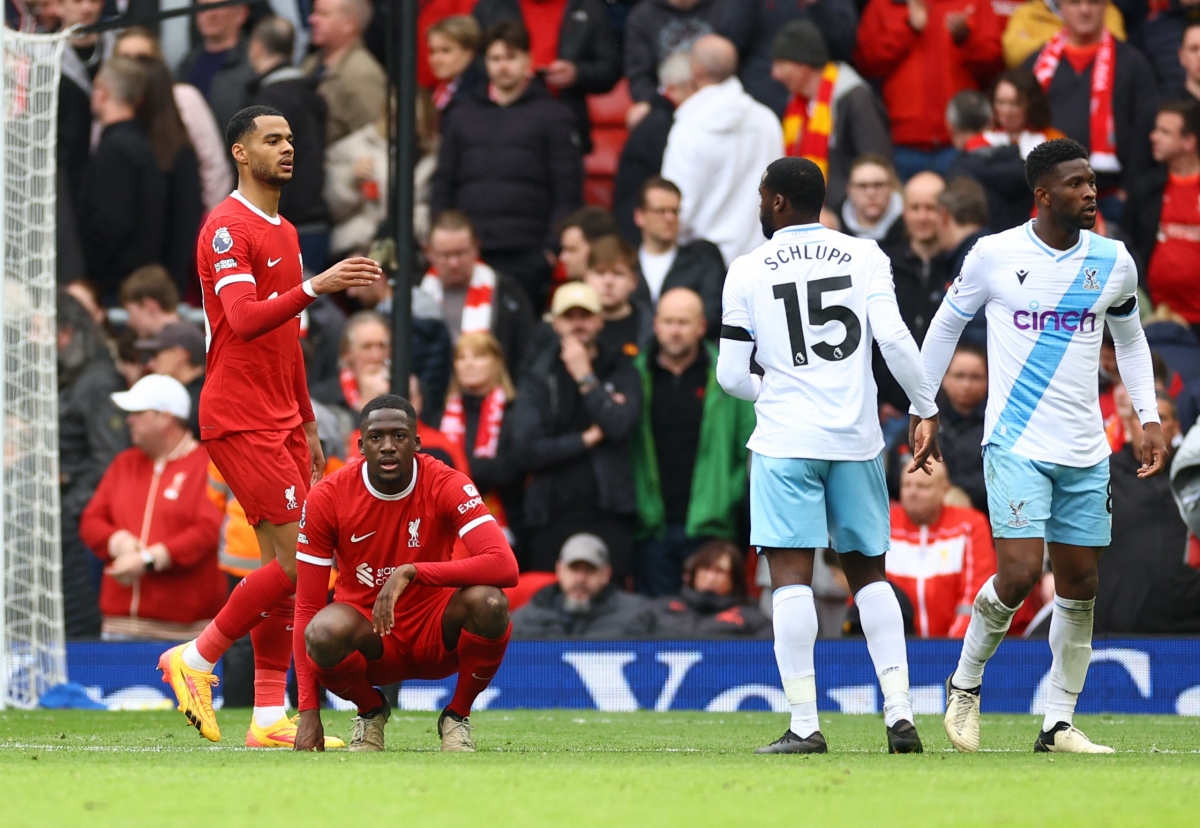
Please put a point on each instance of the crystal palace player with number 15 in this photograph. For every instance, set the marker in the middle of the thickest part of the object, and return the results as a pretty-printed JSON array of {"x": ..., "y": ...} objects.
[{"x": 256, "y": 419}]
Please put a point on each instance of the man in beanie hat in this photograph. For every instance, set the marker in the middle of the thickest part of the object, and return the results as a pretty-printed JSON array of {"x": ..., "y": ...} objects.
[{"x": 832, "y": 116}]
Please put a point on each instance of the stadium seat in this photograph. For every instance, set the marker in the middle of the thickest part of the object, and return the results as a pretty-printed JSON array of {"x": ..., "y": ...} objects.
[
  {"x": 529, "y": 583},
  {"x": 608, "y": 139}
]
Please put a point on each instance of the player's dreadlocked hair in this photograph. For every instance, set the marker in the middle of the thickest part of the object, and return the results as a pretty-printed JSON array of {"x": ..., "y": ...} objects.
[
  {"x": 242, "y": 123},
  {"x": 1046, "y": 156},
  {"x": 800, "y": 182},
  {"x": 392, "y": 401}
]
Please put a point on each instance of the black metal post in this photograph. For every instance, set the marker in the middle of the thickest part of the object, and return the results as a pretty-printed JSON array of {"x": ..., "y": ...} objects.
[{"x": 402, "y": 78}]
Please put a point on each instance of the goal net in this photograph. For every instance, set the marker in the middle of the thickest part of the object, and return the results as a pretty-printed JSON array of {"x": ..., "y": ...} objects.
[{"x": 32, "y": 658}]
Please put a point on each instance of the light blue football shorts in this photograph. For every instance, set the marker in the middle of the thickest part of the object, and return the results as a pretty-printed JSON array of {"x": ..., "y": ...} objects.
[
  {"x": 1035, "y": 499},
  {"x": 807, "y": 504}
]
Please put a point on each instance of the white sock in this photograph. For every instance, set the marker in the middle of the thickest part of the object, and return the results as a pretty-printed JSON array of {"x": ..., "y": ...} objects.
[
  {"x": 795, "y": 622},
  {"x": 267, "y": 716},
  {"x": 1071, "y": 646},
  {"x": 990, "y": 620},
  {"x": 883, "y": 625},
  {"x": 193, "y": 659}
]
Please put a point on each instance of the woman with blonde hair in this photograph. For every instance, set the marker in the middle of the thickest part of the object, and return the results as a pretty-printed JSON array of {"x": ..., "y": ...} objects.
[{"x": 481, "y": 391}]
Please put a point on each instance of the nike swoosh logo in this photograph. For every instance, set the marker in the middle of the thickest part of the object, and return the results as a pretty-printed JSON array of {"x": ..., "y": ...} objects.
[
  {"x": 356, "y": 538},
  {"x": 273, "y": 262}
]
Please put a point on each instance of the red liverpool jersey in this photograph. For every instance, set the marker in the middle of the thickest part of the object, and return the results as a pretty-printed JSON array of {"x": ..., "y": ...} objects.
[
  {"x": 371, "y": 535},
  {"x": 250, "y": 384}
]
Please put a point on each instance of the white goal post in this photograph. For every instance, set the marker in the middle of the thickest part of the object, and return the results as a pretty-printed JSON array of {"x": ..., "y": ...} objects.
[{"x": 32, "y": 652}]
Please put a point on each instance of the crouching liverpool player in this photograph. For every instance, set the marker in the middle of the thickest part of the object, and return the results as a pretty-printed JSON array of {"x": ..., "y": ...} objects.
[{"x": 401, "y": 608}]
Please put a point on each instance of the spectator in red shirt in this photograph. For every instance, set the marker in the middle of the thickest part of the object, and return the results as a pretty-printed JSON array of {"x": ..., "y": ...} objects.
[
  {"x": 1163, "y": 215},
  {"x": 940, "y": 555},
  {"x": 925, "y": 52},
  {"x": 151, "y": 521}
]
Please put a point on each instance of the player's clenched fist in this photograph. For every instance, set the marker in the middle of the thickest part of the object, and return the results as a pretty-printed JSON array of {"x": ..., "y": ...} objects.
[
  {"x": 383, "y": 616},
  {"x": 357, "y": 271}
]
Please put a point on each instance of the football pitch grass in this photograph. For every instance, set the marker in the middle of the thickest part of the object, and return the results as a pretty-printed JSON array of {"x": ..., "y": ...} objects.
[{"x": 576, "y": 768}]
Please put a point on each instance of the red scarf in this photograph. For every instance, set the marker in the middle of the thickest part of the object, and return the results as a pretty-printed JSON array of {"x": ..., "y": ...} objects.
[
  {"x": 477, "y": 307},
  {"x": 807, "y": 124},
  {"x": 487, "y": 438},
  {"x": 350, "y": 390},
  {"x": 491, "y": 417},
  {"x": 1103, "y": 133},
  {"x": 443, "y": 93}
]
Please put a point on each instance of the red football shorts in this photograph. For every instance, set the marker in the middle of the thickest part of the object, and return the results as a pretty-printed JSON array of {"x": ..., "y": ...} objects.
[
  {"x": 414, "y": 648},
  {"x": 268, "y": 472}
]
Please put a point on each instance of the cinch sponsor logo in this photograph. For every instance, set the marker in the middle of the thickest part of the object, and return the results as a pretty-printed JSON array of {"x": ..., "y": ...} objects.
[{"x": 1082, "y": 320}]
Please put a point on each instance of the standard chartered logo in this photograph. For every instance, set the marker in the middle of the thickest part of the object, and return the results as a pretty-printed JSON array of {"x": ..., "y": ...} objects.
[{"x": 364, "y": 574}]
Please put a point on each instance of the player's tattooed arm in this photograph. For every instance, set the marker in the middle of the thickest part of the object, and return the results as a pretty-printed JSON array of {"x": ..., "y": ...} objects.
[{"x": 383, "y": 616}]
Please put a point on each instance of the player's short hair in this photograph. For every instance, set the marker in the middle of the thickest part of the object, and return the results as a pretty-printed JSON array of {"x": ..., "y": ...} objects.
[
  {"x": 966, "y": 202},
  {"x": 594, "y": 222},
  {"x": 969, "y": 111},
  {"x": 125, "y": 79},
  {"x": 242, "y": 123},
  {"x": 150, "y": 281},
  {"x": 1045, "y": 158},
  {"x": 390, "y": 401},
  {"x": 463, "y": 29},
  {"x": 512, "y": 33},
  {"x": 1188, "y": 110},
  {"x": 276, "y": 35},
  {"x": 453, "y": 221},
  {"x": 607, "y": 252},
  {"x": 657, "y": 182},
  {"x": 799, "y": 181}
]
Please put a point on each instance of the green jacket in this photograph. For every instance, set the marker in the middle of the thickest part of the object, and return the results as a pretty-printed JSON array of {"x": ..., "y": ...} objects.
[{"x": 721, "y": 477}]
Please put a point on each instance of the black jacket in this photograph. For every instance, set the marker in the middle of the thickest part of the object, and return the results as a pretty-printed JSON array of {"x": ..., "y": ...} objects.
[
  {"x": 231, "y": 85},
  {"x": 585, "y": 39},
  {"x": 122, "y": 208},
  {"x": 641, "y": 159},
  {"x": 613, "y": 615},
  {"x": 515, "y": 170},
  {"x": 91, "y": 429},
  {"x": 752, "y": 31},
  {"x": 692, "y": 614},
  {"x": 1145, "y": 587},
  {"x": 294, "y": 94},
  {"x": 548, "y": 404},
  {"x": 655, "y": 29},
  {"x": 503, "y": 474},
  {"x": 1134, "y": 103},
  {"x": 512, "y": 320},
  {"x": 185, "y": 208},
  {"x": 961, "y": 440},
  {"x": 698, "y": 265},
  {"x": 1143, "y": 212},
  {"x": 920, "y": 287},
  {"x": 1001, "y": 173}
]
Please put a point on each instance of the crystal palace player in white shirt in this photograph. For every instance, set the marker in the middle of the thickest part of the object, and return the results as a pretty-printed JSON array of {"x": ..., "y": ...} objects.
[
  {"x": 811, "y": 300},
  {"x": 1049, "y": 287},
  {"x": 402, "y": 608}
]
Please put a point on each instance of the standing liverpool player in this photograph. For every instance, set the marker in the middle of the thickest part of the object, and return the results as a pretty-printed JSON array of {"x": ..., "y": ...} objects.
[
  {"x": 256, "y": 420},
  {"x": 402, "y": 609}
]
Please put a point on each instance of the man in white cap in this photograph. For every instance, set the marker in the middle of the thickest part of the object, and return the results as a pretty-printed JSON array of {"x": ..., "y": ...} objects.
[
  {"x": 583, "y": 603},
  {"x": 576, "y": 406},
  {"x": 151, "y": 521}
]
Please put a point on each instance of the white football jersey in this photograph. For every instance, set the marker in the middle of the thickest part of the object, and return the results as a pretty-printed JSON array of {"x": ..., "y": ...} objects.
[
  {"x": 1045, "y": 321},
  {"x": 803, "y": 297}
]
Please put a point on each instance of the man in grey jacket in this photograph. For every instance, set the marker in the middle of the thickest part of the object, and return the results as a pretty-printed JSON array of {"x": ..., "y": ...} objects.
[{"x": 583, "y": 603}]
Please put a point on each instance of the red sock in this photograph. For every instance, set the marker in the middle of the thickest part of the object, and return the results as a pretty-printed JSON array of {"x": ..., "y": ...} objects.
[
  {"x": 348, "y": 680},
  {"x": 256, "y": 595},
  {"x": 272, "y": 640},
  {"x": 478, "y": 660}
]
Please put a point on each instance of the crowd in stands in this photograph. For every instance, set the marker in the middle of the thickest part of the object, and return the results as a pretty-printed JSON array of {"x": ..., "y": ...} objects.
[{"x": 565, "y": 330}]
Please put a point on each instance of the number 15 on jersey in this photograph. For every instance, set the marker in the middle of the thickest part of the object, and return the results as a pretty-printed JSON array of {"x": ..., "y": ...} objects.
[{"x": 819, "y": 314}]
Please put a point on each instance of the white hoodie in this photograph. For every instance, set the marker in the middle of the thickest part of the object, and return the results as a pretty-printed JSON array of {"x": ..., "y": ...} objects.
[{"x": 718, "y": 148}]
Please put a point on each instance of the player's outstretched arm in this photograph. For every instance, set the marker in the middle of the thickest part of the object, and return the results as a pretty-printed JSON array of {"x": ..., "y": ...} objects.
[{"x": 357, "y": 271}]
